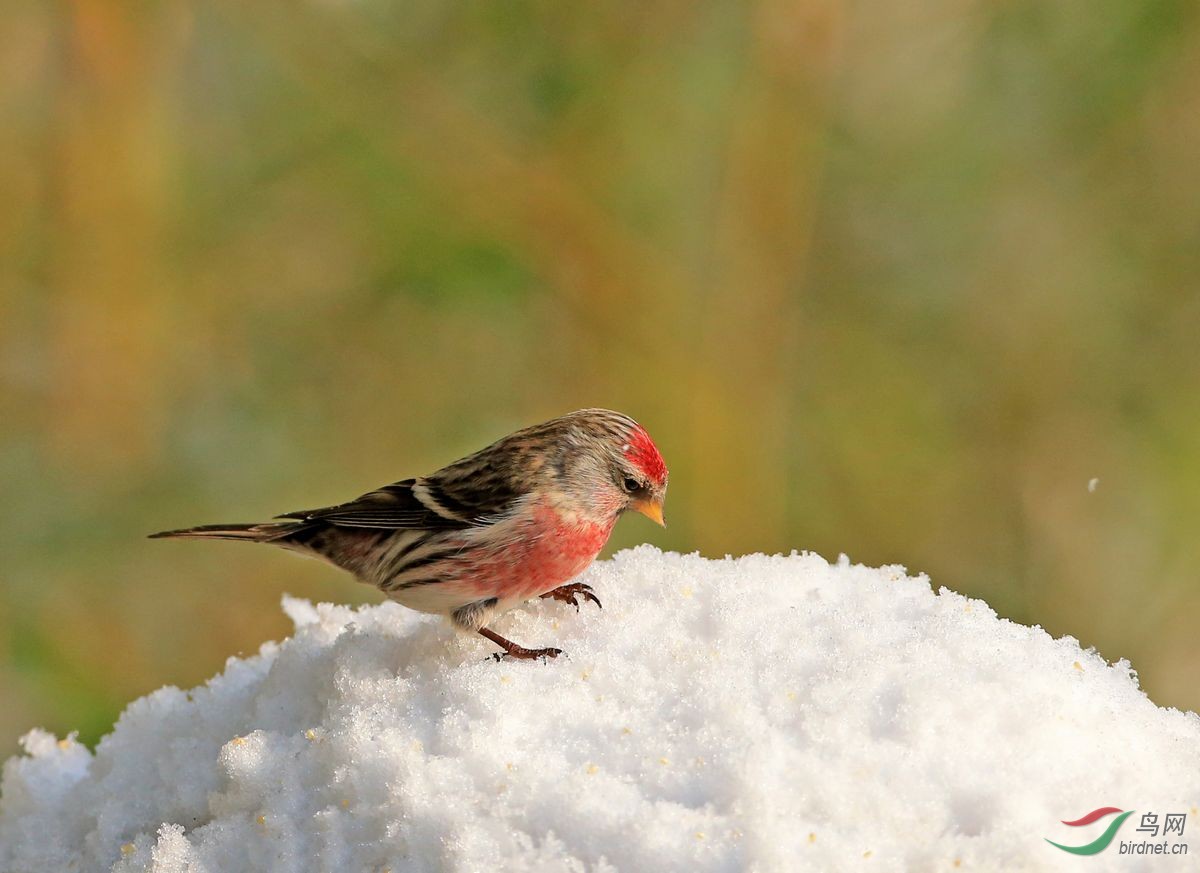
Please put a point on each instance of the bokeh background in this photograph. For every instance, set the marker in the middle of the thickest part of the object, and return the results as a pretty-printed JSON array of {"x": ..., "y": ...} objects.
[{"x": 896, "y": 280}]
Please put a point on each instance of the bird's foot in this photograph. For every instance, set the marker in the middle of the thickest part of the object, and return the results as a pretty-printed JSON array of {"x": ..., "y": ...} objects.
[
  {"x": 570, "y": 594},
  {"x": 518, "y": 653}
]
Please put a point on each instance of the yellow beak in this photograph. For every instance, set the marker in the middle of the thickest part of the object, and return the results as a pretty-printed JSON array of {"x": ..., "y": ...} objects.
[{"x": 652, "y": 509}]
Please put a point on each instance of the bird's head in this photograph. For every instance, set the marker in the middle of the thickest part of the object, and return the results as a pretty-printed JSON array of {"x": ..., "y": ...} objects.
[
  {"x": 643, "y": 475},
  {"x": 615, "y": 461}
]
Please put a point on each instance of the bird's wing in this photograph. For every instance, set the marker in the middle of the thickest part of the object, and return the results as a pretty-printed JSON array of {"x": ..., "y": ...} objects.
[{"x": 447, "y": 500}]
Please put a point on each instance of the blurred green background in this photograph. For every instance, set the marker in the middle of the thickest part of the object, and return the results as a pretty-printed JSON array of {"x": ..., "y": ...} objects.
[{"x": 895, "y": 280}]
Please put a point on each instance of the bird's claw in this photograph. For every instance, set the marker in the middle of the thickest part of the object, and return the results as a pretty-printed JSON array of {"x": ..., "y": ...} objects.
[
  {"x": 519, "y": 654},
  {"x": 570, "y": 594}
]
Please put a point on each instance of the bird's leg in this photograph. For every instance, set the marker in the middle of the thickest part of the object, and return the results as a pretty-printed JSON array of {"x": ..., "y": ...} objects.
[
  {"x": 512, "y": 650},
  {"x": 568, "y": 594}
]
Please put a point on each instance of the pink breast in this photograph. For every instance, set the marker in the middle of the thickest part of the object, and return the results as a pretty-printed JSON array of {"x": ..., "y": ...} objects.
[{"x": 549, "y": 552}]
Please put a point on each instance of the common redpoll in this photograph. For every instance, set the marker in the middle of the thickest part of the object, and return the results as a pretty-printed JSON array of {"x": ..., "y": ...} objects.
[{"x": 516, "y": 520}]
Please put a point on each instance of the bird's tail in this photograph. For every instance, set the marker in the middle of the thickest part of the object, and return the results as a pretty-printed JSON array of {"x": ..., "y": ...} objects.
[{"x": 255, "y": 533}]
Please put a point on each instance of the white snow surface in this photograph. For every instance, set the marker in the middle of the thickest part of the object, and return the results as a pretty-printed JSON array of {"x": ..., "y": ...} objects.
[{"x": 765, "y": 713}]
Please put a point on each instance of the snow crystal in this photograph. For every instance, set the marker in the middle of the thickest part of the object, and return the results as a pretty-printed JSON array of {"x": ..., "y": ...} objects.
[{"x": 767, "y": 713}]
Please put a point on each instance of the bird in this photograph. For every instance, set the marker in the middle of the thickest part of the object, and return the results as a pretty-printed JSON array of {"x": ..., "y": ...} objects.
[{"x": 514, "y": 521}]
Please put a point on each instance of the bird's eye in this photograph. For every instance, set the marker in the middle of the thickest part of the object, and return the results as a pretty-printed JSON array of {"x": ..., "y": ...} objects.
[{"x": 632, "y": 484}]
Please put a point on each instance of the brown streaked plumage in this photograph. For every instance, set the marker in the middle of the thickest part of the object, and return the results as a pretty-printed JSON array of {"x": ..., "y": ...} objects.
[{"x": 513, "y": 521}]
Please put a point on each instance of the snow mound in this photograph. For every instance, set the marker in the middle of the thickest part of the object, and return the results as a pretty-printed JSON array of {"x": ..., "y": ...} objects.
[{"x": 766, "y": 713}]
